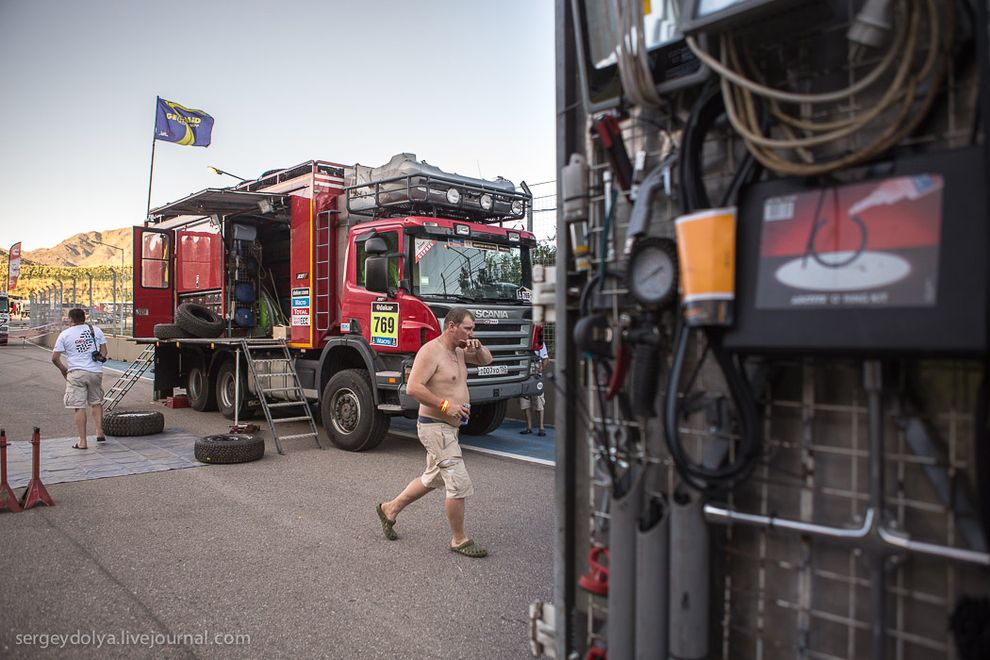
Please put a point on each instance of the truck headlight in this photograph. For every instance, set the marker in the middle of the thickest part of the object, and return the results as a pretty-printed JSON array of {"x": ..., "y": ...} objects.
[
  {"x": 453, "y": 195},
  {"x": 517, "y": 207},
  {"x": 486, "y": 202}
]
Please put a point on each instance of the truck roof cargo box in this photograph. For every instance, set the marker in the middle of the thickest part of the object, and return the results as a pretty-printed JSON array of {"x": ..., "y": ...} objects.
[{"x": 405, "y": 186}]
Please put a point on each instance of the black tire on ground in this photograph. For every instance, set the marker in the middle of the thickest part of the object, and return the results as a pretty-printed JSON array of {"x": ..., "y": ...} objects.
[
  {"x": 201, "y": 389},
  {"x": 227, "y": 448},
  {"x": 169, "y": 331},
  {"x": 485, "y": 418},
  {"x": 225, "y": 391},
  {"x": 350, "y": 417},
  {"x": 198, "y": 321},
  {"x": 133, "y": 422}
]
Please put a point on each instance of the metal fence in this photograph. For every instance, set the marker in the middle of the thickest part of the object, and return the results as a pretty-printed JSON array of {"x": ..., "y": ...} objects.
[{"x": 49, "y": 308}]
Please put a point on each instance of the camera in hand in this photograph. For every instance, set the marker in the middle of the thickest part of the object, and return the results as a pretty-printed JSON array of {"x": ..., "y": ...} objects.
[{"x": 98, "y": 356}]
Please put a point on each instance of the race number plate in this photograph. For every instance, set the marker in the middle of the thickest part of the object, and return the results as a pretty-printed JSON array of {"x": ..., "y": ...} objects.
[
  {"x": 385, "y": 324},
  {"x": 497, "y": 370}
]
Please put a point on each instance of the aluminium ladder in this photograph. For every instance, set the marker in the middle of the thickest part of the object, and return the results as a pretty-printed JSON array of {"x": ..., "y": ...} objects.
[
  {"x": 275, "y": 353},
  {"x": 123, "y": 385}
]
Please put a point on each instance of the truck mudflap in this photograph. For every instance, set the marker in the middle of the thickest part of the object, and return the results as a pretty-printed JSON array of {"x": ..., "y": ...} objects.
[{"x": 486, "y": 393}]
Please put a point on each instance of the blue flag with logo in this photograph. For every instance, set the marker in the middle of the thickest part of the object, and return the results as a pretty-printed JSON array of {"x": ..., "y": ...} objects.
[{"x": 182, "y": 125}]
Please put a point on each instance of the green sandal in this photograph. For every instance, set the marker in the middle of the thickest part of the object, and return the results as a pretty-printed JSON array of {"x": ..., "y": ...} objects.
[
  {"x": 387, "y": 524},
  {"x": 469, "y": 549}
]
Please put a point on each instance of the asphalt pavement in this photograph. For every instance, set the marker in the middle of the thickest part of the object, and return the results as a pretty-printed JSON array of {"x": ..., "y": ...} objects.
[{"x": 283, "y": 556}]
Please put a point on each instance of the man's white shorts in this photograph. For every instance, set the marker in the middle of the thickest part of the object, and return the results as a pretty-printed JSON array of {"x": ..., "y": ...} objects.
[
  {"x": 83, "y": 388},
  {"x": 538, "y": 402}
]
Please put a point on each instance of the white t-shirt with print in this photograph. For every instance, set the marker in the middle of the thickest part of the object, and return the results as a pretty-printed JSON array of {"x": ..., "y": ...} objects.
[{"x": 78, "y": 345}]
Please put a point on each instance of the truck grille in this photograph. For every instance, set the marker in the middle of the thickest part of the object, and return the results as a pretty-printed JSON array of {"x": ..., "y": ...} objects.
[
  {"x": 509, "y": 340},
  {"x": 510, "y": 347}
]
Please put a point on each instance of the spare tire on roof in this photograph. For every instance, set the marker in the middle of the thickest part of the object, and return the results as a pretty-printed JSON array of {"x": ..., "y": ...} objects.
[
  {"x": 169, "y": 331},
  {"x": 133, "y": 422},
  {"x": 198, "y": 321}
]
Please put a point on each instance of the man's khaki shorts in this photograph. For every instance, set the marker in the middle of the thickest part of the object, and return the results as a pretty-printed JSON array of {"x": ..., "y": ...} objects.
[
  {"x": 83, "y": 388},
  {"x": 538, "y": 402},
  {"x": 444, "y": 464}
]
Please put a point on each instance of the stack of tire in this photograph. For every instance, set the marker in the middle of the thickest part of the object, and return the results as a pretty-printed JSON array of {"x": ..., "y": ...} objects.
[{"x": 191, "y": 320}]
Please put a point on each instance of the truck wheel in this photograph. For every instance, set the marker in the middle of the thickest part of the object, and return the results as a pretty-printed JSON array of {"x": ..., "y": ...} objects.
[
  {"x": 226, "y": 389},
  {"x": 198, "y": 321},
  {"x": 350, "y": 417},
  {"x": 228, "y": 448},
  {"x": 201, "y": 390},
  {"x": 169, "y": 331},
  {"x": 135, "y": 422},
  {"x": 485, "y": 418}
]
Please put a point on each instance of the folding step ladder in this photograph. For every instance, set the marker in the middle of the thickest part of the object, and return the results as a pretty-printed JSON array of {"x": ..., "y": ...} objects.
[
  {"x": 123, "y": 385},
  {"x": 275, "y": 354}
]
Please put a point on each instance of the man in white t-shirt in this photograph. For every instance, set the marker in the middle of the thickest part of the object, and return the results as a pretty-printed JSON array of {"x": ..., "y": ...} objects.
[
  {"x": 538, "y": 401},
  {"x": 83, "y": 374}
]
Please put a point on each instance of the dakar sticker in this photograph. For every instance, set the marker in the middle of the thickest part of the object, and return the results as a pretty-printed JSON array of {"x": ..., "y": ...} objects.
[{"x": 384, "y": 324}]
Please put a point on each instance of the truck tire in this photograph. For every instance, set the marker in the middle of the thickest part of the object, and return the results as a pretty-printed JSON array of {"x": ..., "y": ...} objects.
[
  {"x": 485, "y": 418},
  {"x": 347, "y": 406},
  {"x": 201, "y": 390},
  {"x": 198, "y": 321},
  {"x": 133, "y": 422},
  {"x": 225, "y": 391},
  {"x": 229, "y": 448},
  {"x": 169, "y": 331}
]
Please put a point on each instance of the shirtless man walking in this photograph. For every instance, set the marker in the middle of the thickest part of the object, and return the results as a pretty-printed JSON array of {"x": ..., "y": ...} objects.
[{"x": 439, "y": 382}]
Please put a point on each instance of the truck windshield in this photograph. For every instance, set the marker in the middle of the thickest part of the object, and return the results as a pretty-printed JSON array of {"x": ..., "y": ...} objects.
[{"x": 470, "y": 270}]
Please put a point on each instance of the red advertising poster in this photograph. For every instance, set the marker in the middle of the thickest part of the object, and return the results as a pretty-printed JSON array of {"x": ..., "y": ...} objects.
[
  {"x": 13, "y": 266},
  {"x": 873, "y": 244}
]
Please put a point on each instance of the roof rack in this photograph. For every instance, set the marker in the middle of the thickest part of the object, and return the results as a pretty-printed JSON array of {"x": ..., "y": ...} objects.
[{"x": 439, "y": 196}]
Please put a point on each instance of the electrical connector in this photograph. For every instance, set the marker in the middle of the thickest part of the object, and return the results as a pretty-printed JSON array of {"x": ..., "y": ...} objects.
[{"x": 873, "y": 24}]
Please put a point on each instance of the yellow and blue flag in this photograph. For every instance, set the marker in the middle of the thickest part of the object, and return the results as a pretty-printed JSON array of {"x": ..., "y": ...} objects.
[{"x": 182, "y": 125}]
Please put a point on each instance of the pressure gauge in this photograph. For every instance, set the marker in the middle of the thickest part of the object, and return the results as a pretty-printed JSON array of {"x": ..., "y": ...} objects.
[{"x": 653, "y": 271}]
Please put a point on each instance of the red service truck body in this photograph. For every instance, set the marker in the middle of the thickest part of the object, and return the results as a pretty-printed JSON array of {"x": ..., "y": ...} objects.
[{"x": 361, "y": 265}]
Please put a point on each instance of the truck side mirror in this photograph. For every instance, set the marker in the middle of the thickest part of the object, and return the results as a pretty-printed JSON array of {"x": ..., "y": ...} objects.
[
  {"x": 376, "y": 272},
  {"x": 376, "y": 245}
]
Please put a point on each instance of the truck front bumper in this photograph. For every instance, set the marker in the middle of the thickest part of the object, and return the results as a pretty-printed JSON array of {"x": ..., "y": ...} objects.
[{"x": 486, "y": 393}]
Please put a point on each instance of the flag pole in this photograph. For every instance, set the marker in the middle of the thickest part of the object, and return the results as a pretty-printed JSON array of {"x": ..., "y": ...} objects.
[{"x": 151, "y": 174}]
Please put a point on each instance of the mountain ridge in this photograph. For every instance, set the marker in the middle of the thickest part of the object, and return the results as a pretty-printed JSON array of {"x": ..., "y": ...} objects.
[{"x": 82, "y": 249}]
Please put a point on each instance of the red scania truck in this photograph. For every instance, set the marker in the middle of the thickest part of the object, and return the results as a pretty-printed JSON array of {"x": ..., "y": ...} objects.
[{"x": 361, "y": 265}]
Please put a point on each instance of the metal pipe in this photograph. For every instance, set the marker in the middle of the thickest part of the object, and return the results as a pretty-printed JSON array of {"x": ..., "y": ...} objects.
[
  {"x": 873, "y": 384},
  {"x": 724, "y": 516},
  {"x": 689, "y": 578},
  {"x": 623, "y": 520},
  {"x": 237, "y": 385},
  {"x": 903, "y": 541},
  {"x": 652, "y": 582},
  {"x": 90, "y": 276},
  {"x": 73, "y": 290}
]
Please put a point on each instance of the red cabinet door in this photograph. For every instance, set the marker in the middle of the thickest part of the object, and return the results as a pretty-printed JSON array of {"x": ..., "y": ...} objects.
[{"x": 153, "y": 286}]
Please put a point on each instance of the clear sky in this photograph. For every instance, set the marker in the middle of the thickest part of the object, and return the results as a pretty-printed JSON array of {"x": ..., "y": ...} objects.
[{"x": 466, "y": 86}]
